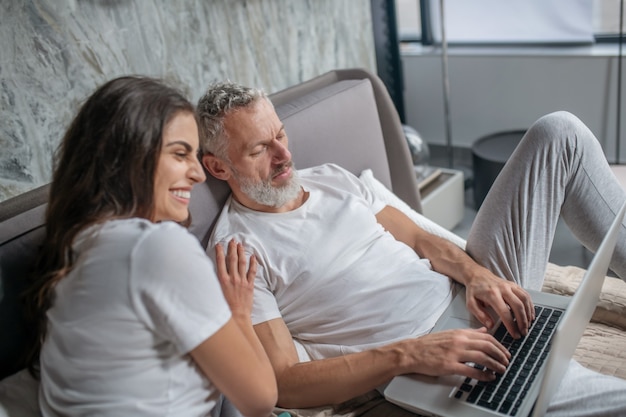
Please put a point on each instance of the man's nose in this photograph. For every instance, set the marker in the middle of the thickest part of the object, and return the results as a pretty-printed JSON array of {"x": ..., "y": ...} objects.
[{"x": 281, "y": 152}]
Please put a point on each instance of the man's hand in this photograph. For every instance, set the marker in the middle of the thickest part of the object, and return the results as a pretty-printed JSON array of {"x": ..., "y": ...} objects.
[
  {"x": 508, "y": 300},
  {"x": 335, "y": 380},
  {"x": 448, "y": 352}
]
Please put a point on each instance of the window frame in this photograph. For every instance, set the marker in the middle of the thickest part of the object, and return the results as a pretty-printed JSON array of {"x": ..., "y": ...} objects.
[{"x": 426, "y": 35}]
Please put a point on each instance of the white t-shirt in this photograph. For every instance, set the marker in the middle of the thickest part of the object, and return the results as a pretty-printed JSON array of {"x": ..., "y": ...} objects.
[
  {"x": 340, "y": 282},
  {"x": 139, "y": 298}
]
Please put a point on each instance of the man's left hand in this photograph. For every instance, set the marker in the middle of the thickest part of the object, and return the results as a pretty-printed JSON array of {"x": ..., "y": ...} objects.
[{"x": 508, "y": 300}]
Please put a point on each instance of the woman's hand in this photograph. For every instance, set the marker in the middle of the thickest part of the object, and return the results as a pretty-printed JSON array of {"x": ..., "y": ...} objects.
[
  {"x": 233, "y": 358},
  {"x": 236, "y": 278}
]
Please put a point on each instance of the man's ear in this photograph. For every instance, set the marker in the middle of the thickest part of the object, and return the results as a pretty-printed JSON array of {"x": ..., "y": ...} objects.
[{"x": 216, "y": 166}]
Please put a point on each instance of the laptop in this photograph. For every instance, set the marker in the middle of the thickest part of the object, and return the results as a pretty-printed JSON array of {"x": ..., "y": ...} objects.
[{"x": 525, "y": 388}]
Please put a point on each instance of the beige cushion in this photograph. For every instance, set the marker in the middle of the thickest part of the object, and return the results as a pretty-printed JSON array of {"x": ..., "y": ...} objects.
[
  {"x": 603, "y": 349},
  {"x": 611, "y": 309},
  {"x": 603, "y": 345}
]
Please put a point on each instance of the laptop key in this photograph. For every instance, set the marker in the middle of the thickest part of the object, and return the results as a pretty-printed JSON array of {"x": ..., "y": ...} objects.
[{"x": 506, "y": 406}]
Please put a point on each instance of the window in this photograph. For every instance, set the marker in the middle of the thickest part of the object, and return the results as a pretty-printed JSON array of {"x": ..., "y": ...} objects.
[
  {"x": 408, "y": 15},
  {"x": 418, "y": 19},
  {"x": 606, "y": 18}
]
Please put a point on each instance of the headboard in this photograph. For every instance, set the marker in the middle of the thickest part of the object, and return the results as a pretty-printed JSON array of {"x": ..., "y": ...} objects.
[
  {"x": 353, "y": 108},
  {"x": 343, "y": 116}
]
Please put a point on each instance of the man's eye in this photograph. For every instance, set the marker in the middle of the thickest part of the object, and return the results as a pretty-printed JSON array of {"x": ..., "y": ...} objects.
[{"x": 259, "y": 150}]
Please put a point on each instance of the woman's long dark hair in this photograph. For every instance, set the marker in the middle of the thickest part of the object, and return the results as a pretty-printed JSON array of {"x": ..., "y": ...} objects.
[{"x": 104, "y": 169}]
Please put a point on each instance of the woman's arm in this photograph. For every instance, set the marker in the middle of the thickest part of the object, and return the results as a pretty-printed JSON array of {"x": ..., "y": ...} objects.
[{"x": 233, "y": 358}]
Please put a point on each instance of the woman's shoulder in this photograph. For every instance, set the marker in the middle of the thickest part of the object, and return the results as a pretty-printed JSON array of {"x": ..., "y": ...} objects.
[
  {"x": 137, "y": 232},
  {"x": 150, "y": 245},
  {"x": 138, "y": 226}
]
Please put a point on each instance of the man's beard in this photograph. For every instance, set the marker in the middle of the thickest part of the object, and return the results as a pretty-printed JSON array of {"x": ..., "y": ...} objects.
[{"x": 264, "y": 193}]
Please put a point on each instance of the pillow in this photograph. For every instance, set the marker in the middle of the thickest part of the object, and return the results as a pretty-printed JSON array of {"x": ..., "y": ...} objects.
[
  {"x": 19, "y": 395},
  {"x": 382, "y": 192}
]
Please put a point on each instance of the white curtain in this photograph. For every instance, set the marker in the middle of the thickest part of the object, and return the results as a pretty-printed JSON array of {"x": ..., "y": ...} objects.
[{"x": 514, "y": 21}]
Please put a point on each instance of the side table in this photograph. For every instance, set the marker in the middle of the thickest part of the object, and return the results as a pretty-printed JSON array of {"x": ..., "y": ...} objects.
[
  {"x": 489, "y": 154},
  {"x": 443, "y": 198}
]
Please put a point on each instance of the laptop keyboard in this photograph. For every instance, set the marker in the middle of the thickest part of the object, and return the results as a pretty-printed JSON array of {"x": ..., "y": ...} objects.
[{"x": 506, "y": 392}]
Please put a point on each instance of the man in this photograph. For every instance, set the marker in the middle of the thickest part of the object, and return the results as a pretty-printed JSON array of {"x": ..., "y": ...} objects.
[{"x": 327, "y": 291}]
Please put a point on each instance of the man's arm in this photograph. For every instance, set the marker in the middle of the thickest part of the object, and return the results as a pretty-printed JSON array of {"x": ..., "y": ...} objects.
[
  {"x": 335, "y": 380},
  {"x": 484, "y": 289}
]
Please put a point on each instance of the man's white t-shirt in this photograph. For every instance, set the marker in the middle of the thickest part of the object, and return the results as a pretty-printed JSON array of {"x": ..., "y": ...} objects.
[
  {"x": 340, "y": 282},
  {"x": 139, "y": 298}
]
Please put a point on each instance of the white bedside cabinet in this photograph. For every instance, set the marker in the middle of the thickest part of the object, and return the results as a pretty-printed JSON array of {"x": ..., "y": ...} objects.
[{"x": 443, "y": 199}]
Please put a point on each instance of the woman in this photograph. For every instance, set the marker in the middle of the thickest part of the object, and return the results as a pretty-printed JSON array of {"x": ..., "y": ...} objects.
[{"x": 131, "y": 317}]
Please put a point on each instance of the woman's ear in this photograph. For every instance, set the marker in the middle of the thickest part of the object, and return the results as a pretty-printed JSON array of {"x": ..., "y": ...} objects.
[{"x": 215, "y": 166}]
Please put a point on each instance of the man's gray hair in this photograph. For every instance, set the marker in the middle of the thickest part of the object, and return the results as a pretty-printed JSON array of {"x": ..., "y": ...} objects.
[{"x": 219, "y": 100}]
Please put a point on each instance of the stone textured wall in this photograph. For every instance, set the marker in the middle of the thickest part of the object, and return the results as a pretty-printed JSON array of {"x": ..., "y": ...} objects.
[{"x": 54, "y": 53}]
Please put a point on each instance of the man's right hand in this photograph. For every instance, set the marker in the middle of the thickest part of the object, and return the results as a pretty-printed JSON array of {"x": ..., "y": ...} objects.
[{"x": 448, "y": 352}]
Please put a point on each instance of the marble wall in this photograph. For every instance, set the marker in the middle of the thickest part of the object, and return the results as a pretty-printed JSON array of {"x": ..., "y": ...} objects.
[{"x": 53, "y": 53}]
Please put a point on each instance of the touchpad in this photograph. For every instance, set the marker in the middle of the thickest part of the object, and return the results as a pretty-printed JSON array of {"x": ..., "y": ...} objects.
[{"x": 460, "y": 323}]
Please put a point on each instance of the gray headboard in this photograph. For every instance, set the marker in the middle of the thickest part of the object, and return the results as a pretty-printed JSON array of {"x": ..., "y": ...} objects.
[{"x": 344, "y": 116}]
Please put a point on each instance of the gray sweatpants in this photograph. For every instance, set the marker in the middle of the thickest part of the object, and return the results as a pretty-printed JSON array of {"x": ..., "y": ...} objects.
[{"x": 557, "y": 169}]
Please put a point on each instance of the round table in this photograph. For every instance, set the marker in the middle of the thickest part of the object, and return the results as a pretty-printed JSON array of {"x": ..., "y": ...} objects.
[{"x": 489, "y": 154}]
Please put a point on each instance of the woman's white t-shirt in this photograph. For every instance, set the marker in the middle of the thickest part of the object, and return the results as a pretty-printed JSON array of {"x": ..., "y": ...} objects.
[
  {"x": 139, "y": 298},
  {"x": 340, "y": 282}
]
